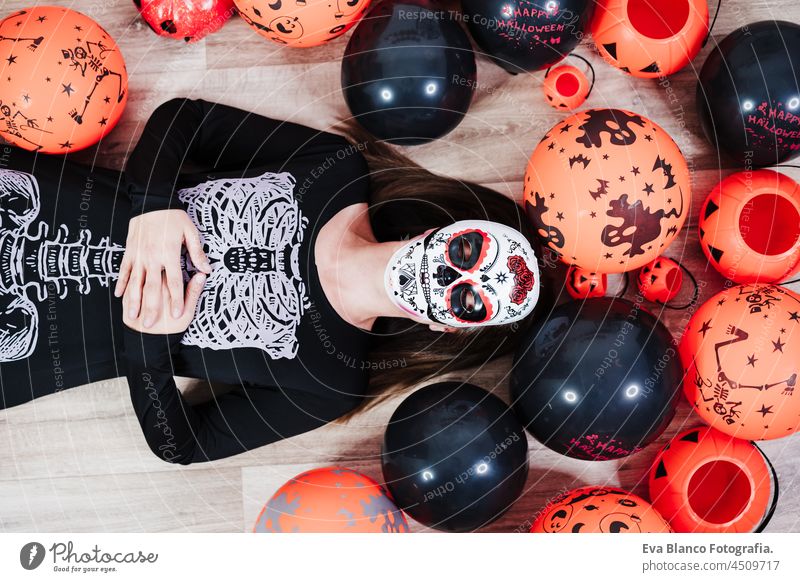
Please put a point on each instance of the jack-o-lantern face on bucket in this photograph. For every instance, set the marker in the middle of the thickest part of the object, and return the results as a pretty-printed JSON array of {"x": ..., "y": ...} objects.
[
  {"x": 704, "y": 481},
  {"x": 650, "y": 38},
  {"x": 660, "y": 281},
  {"x": 466, "y": 274},
  {"x": 582, "y": 284},
  {"x": 566, "y": 87},
  {"x": 750, "y": 227},
  {"x": 599, "y": 510},
  {"x": 607, "y": 190}
]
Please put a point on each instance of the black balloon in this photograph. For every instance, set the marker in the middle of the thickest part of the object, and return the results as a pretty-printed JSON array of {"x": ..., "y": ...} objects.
[
  {"x": 527, "y": 35},
  {"x": 748, "y": 94},
  {"x": 408, "y": 72},
  {"x": 597, "y": 379},
  {"x": 454, "y": 456}
]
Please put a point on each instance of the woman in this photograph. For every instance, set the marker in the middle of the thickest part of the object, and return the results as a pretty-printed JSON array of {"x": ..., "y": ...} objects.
[{"x": 256, "y": 267}]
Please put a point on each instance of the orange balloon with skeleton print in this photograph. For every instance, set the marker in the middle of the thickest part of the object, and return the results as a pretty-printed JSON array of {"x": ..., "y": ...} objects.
[
  {"x": 607, "y": 190},
  {"x": 741, "y": 353},
  {"x": 64, "y": 80},
  {"x": 599, "y": 510},
  {"x": 301, "y": 23}
]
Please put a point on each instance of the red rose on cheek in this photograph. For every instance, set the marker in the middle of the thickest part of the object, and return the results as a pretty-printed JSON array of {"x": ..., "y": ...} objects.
[
  {"x": 523, "y": 279},
  {"x": 518, "y": 295}
]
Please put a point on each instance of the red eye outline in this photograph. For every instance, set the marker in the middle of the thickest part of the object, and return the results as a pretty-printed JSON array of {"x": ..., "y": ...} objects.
[
  {"x": 484, "y": 248},
  {"x": 486, "y": 303}
]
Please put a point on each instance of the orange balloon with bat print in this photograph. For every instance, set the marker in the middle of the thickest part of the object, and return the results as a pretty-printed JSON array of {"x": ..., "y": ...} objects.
[{"x": 607, "y": 190}]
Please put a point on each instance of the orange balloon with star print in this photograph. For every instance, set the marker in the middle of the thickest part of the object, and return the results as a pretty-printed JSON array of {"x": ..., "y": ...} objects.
[
  {"x": 607, "y": 190},
  {"x": 64, "y": 83},
  {"x": 741, "y": 353}
]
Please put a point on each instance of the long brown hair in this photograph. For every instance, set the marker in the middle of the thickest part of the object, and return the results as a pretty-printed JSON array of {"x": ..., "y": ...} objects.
[{"x": 405, "y": 201}]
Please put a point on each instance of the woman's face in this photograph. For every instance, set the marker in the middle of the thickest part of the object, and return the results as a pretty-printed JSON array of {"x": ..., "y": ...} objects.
[{"x": 466, "y": 274}]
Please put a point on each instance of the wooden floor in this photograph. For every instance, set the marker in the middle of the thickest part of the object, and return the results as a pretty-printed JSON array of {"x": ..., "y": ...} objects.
[{"x": 77, "y": 461}]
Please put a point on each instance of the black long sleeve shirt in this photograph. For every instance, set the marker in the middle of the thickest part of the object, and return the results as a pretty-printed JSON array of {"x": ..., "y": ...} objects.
[
  {"x": 259, "y": 191},
  {"x": 261, "y": 194}
]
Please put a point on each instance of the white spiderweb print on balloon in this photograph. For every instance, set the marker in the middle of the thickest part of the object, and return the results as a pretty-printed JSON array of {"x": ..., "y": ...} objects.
[{"x": 251, "y": 229}]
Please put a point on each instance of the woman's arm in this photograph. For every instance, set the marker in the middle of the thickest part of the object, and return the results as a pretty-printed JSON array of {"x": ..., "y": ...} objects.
[
  {"x": 233, "y": 423},
  {"x": 221, "y": 138},
  {"x": 218, "y": 137}
]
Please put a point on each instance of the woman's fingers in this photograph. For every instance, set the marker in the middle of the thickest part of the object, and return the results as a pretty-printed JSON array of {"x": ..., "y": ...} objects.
[
  {"x": 174, "y": 287},
  {"x": 191, "y": 238},
  {"x": 124, "y": 276},
  {"x": 151, "y": 295},
  {"x": 193, "y": 291},
  {"x": 133, "y": 292}
]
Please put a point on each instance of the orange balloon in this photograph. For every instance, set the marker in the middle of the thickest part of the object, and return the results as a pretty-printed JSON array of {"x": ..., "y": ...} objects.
[
  {"x": 331, "y": 499},
  {"x": 649, "y": 38},
  {"x": 585, "y": 285},
  {"x": 301, "y": 23},
  {"x": 64, "y": 80},
  {"x": 566, "y": 87},
  {"x": 741, "y": 353},
  {"x": 750, "y": 227},
  {"x": 660, "y": 281},
  {"x": 704, "y": 481},
  {"x": 607, "y": 190},
  {"x": 599, "y": 510}
]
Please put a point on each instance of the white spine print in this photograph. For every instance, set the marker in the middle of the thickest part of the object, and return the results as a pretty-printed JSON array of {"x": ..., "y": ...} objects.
[
  {"x": 252, "y": 229},
  {"x": 31, "y": 260}
]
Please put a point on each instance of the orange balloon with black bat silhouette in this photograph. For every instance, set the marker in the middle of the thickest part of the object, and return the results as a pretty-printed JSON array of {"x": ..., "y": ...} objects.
[
  {"x": 331, "y": 500},
  {"x": 741, "y": 353},
  {"x": 599, "y": 510},
  {"x": 607, "y": 190},
  {"x": 64, "y": 80},
  {"x": 301, "y": 23}
]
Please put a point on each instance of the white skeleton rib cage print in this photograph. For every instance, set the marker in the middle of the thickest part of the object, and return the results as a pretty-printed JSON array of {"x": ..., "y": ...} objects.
[
  {"x": 33, "y": 259},
  {"x": 251, "y": 229}
]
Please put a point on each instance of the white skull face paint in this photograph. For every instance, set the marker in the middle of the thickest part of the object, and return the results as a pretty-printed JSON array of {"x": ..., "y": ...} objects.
[{"x": 467, "y": 274}]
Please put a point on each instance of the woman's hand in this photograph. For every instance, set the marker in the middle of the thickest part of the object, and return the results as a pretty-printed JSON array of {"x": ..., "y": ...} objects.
[
  {"x": 150, "y": 276},
  {"x": 164, "y": 321}
]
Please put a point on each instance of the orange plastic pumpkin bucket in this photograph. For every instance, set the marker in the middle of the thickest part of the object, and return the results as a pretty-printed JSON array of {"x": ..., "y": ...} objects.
[
  {"x": 582, "y": 284},
  {"x": 661, "y": 280},
  {"x": 750, "y": 227},
  {"x": 650, "y": 38},
  {"x": 704, "y": 481},
  {"x": 566, "y": 87}
]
